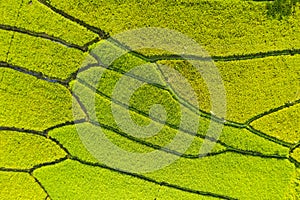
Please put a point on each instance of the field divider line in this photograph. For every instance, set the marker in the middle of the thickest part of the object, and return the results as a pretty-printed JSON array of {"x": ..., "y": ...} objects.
[
  {"x": 273, "y": 110},
  {"x": 193, "y": 109},
  {"x": 297, "y": 145},
  {"x": 202, "y": 113},
  {"x": 268, "y": 137},
  {"x": 41, "y": 186},
  {"x": 45, "y": 36},
  {"x": 67, "y": 123},
  {"x": 22, "y": 130},
  {"x": 154, "y": 146},
  {"x": 231, "y": 148},
  {"x": 229, "y": 58},
  {"x": 133, "y": 109},
  {"x": 176, "y": 97},
  {"x": 142, "y": 177},
  {"x": 31, "y": 169},
  {"x": 294, "y": 161},
  {"x": 45, "y": 132},
  {"x": 102, "y": 34},
  {"x": 38, "y": 75},
  {"x": 57, "y": 161}
]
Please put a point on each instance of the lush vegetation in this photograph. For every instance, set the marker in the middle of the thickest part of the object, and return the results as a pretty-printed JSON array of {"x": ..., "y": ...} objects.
[
  {"x": 235, "y": 175},
  {"x": 49, "y": 58},
  {"x": 230, "y": 174},
  {"x": 33, "y": 104},
  {"x": 24, "y": 151},
  {"x": 296, "y": 154},
  {"x": 283, "y": 124},
  {"x": 5, "y": 37},
  {"x": 37, "y": 18},
  {"x": 281, "y": 8},
  {"x": 223, "y": 27},
  {"x": 243, "y": 82},
  {"x": 44, "y": 43},
  {"x": 73, "y": 180},
  {"x": 19, "y": 185}
]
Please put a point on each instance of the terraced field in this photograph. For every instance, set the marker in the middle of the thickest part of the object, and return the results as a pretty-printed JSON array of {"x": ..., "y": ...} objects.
[{"x": 45, "y": 44}]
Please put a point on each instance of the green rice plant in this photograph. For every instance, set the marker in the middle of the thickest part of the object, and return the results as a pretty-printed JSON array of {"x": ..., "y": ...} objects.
[
  {"x": 224, "y": 28},
  {"x": 36, "y": 17},
  {"x": 33, "y": 103},
  {"x": 5, "y": 38},
  {"x": 283, "y": 124},
  {"x": 233, "y": 137},
  {"x": 16, "y": 185},
  {"x": 294, "y": 189},
  {"x": 73, "y": 180},
  {"x": 241, "y": 177},
  {"x": 234, "y": 175},
  {"x": 44, "y": 43},
  {"x": 33, "y": 17},
  {"x": 24, "y": 151},
  {"x": 105, "y": 117},
  {"x": 44, "y": 56},
  {"x": 9, "y": 11},
  {"x": 69, "y": 138},
  {"x": 243, "y": 81}
]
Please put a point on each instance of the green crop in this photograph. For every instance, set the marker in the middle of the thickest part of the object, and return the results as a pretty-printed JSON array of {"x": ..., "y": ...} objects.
[
  {"x": 54, "y": 60},
  {"x": 243, "y": 80},
  {"x": 222, "y": 27},
  {"x": 21, "y": 150},
  {"x": 37, "y": 18},
  {"x": 44, "y": 43},
  {"x": 19, "y": 185},
  {"x": 88, "y": 182},
  {"x": 37, "y": 104},
  {"x": 284, "y": 124},
  {"x": 235, "y": 175},
  {"x": 5, "y": 37}
]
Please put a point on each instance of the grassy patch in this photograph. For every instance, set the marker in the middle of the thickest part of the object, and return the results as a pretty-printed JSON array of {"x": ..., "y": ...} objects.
[
  {"x": 283, "y": 124},
  {"x": 36, "y": 17},
  {"x": 69, "y": 137},
  {"x": 5, "y": 38},
  {"x": 9, "y": 11},
  {"x": 23, "y": 150},
  {"x": 223, "y": 27},
  {"x": 294, "y": 189},
  {"x": 72, "y": 180},
  {"x": 33, "y": 103},
  {"x": 19, "y": 186},
  {"x": 238, "y": 176},
  {"x": 252, "y": 86},
  {"x": 237, "y": 138},
  {"x": 41, "y": 55}
]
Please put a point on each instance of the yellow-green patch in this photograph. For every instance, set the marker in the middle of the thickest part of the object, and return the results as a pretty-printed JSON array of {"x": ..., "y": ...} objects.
[
  {"x": 31, "y": 103},
  {"x": 238, "y": 176},
  {"x": 24, "y": 150},
  {"x": 19, "y": 186},
  {"x": 222, "y": 27},
  {"x": 44, "y": 56},
  {"x": 283, "y": 124}
]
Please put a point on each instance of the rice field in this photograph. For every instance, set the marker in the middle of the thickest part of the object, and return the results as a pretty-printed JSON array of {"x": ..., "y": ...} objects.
[{"x": 47, "y": 68}]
